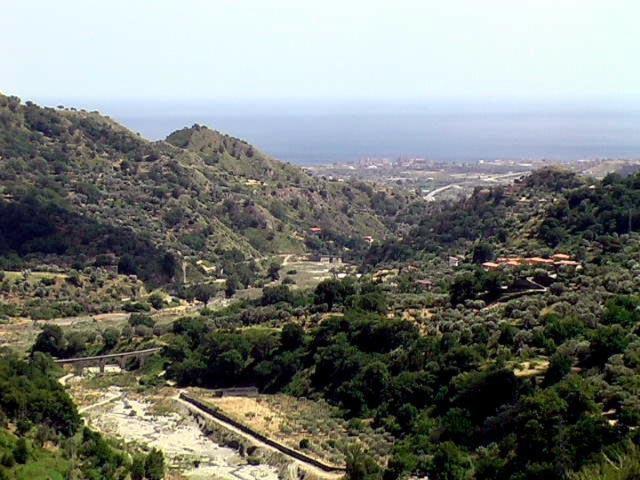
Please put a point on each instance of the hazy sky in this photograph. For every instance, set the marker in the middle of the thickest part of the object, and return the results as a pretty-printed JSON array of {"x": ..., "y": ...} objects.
[{"x": 374, "y": 49}]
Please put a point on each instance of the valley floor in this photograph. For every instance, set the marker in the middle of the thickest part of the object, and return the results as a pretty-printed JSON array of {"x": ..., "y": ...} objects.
[{"x": 157, "y": 421}]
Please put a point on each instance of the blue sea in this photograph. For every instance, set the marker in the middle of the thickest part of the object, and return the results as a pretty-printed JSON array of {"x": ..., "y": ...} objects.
[{"x": 327, "y": 132}]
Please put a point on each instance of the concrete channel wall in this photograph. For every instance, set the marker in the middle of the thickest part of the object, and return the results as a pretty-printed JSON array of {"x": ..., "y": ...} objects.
[{"x": 272, "y": 443}]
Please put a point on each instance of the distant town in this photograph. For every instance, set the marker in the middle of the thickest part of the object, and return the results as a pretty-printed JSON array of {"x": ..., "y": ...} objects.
[{"x": 437, "y": 179}]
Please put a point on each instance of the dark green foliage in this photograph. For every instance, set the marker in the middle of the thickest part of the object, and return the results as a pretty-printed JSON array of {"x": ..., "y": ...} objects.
[
  {"x": 8, "y": 460},
  {"x": 137, "y": 468},
  {"x": 304, "y": 444},
  {"x": 482, "y": 252},
  {"x": 137, "y": 319},
  {"x": 622, "y": 310},
  {"x": 136, "y": 307},
  {"x": 37, "y": 224},
  {"x": 110, "y": 338},
  {"x": 51, "y": 341},
  {"x": 612, "y": 207},
  {"x": 333, "y": 292},
  {"x": 157, "y": 301},
  {"x": 453, "y": 406},
  {"x": 31, "y": 394},
  {"x": 273, "y": 272},
  {"x": 292, "y": 337},
  {"x": 361, "y": 466},
  {"x": 451, "y": 463},
  {"x": 278, "y": 294},
  {"x": 80, "y": 186},
  {"x": 154, "y": 465},
  {"x": 21, "y": 451},
  {"x": 554, "y": 179},
  {"x": 559, "y": 366},
  {"x": 480, "y": 216},
  {"x": 472, "y": 284},
  {"x": 202, "y": 292},
  {"x": 102, "y": 460}
]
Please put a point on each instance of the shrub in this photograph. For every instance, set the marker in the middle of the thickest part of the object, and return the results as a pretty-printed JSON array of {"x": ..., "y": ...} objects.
[
  {"x": 21, "y": 451},
  {"x": 136, "y": 307},
  {"x": 305, "y": 443},
  {"x": 8, "y": 460},
  {"x": 154, "y": 465},
  {"x": 137, "y": 319},
  {"x": 157, "y": 301}
]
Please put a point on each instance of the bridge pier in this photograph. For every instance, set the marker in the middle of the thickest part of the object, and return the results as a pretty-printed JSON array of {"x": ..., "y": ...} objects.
[{"x": 101, "y": 365}]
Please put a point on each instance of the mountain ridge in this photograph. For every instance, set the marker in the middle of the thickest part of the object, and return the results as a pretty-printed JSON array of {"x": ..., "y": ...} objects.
[{"x": 197, "y": 196}]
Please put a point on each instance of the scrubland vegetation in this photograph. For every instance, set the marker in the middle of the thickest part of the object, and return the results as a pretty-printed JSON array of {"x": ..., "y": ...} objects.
[{"x": 457, "y": 349}]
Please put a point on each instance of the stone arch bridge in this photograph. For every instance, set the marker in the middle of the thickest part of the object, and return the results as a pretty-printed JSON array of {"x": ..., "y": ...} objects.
[{"x": 101, "y": 361}]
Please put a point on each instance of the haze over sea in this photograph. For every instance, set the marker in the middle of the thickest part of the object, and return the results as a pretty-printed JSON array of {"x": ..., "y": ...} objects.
[{"x": 314, "y": 132}]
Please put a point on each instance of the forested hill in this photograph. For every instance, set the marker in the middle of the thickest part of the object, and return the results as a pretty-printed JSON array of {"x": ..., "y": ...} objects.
[
  {"x": 77, "y": 187},
  {"x": 549, "y": 210}
]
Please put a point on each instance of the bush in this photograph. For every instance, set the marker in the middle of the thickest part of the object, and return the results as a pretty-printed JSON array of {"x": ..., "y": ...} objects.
[
  {"x": 136, "y": 307},
  {"x": 143, "y": 331},
  {"x": 304, "y": 443},
  {"x": 8, "y": 460},
  {"x": 21, "y": 451},
  {"x": 137, "y": 319},
  {"x": 50, "y": 340},
  {"x": 110, "y": 338},
  {"x": 154, "y": 465},
  {"x": 137, "y": 468},
  {"x": 157, "y": 301}
]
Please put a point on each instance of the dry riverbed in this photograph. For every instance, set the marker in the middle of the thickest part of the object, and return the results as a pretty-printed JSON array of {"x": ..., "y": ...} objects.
[{"x": 154, "y": 419}]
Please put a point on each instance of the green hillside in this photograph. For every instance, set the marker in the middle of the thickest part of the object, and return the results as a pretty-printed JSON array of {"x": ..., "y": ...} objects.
[
  {"x": 77, "y": 188},
  {"x": 520, "y": 360}
]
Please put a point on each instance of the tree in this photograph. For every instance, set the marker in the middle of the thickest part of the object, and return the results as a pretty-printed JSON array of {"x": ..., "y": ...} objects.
[
  {"x": 156, "y": 300},
  {"x": 463, "y": 287},
  {"x": 606, "y": 341},
  {"x": 50, "y": 340},
  {"x": 451, "y": 463},
  {"x": 137, "y": 319},
  {"x": 154, "y": 465},
  {"x": 110, "y": 338},
  {"x": 360, "y": 465},
  {"x": 8, "y": 460},
  {"x": 291, "y": 337},
  {"x": 228, "y": 366},
  {"x": 482, "y": 252},
  {"x": 274, "y": 271},
  {"x": 374, "y": 380},
  {"x": 21, "y": 451},
  {"x": 333, "y": 292},
  {"x": 559, "y": 366},
  {"x": 232, "y": 286},
  {"x": 138, "y": 468},
  {"x": 127, "y": 265},
  {"x": 203, "y": 292},
  {"x": 277, "y": 294},
  {"x": 370, "y": 302}
]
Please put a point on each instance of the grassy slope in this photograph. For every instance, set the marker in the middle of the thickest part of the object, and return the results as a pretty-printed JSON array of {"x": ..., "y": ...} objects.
[{"x": 199, "y": 193}]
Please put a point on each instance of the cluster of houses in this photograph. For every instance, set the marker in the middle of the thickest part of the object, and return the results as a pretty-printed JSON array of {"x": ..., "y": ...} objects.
[{"x": 556, "y": 260}]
